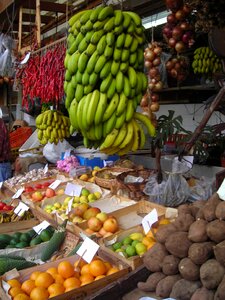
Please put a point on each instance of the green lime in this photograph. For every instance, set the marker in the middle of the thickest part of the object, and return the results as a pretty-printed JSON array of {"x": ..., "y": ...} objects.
[
  {"x": 21, "y": 245},
  {"x": 117, "y": 245},
  {"x": 140, "y": 248},
  {"x": 135, "y": 242},
  {"x": 131, "y": 251},
  {"x": 13, "y": 242},
  {"x": 127, "y": 241},
  {"x": 35, "y": 241},
  {"x": 25, "y": 237},
  {"x": 45, "y": 235}
]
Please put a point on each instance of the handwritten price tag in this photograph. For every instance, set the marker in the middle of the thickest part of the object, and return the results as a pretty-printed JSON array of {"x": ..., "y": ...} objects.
[
  {"x": 88, "y": 250},
  {"x": 18, "y": 193},
  {"x": 21, "y": 208},
  {"x": 69, "y": 207},
  {"x": 40, "y": 227},
  {"x": 73, "y": 189},
  {"x": 221, "y": 190},
  {"x": 55, "y": 184},
  {"x": 150, "y": 219}
]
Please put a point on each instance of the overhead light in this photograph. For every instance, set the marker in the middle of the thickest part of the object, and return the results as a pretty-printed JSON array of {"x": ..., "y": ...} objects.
[{"x": 155, "y": 20}]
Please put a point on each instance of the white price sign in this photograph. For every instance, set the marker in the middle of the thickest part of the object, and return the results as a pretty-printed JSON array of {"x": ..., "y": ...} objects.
[
  {"x": 46, "y": 169},
  {"x": 69, "y": 206},
  {"x": 21, "y": 208},
  {"x": 73, "y": 189},
  {"x": 88, "y": 250},
  {"x": 1, "y": 184},
  {"x": 18, "y": 193},
  {"x": 221, "y": 190},
  {"x": 55, "y": 184},
  {"x": 40, "y": 227},
  {"x": 149, "y": 220}
]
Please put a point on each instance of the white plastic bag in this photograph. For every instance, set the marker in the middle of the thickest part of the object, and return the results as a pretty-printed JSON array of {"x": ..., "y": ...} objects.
[{"x": 54, "y": 152}]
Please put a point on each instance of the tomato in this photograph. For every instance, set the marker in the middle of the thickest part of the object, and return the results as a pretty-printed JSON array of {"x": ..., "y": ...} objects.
[
  {"x": 6, "y": 207},
  {"x": 29, "y": 189},
  {"x": 2, "y": 204},
  {"x": 38, "y": 186}
]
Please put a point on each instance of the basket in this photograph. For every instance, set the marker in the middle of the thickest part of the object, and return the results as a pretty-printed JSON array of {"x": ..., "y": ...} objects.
[
  {"x": 18, "y": 137},
  {"x": 101, "y": 176}
]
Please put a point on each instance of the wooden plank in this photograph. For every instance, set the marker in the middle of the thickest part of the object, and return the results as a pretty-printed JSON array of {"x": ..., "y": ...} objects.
[
  {"x": 20, "y": 28},
  {"x": 4, "y": 5},
  {"x": 38, "y": 22}
]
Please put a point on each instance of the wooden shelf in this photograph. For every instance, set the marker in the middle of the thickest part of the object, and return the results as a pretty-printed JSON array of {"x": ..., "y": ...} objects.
[{"x": 193, "y": 87}]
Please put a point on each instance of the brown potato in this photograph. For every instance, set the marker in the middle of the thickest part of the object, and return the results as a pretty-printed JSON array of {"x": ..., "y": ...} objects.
[
  {"x": 170, "y": 265},
  {"x": 164, "y": 287},
  {"x": 210, "y": 208},
  {"x": 183, "y": 222},
  {"x": 184, "y": 289},
  {"x": 211, "y": 274},
  {"x": 220, "y": 210},
  {"x": 163, "y": 232},
  {"x": 199, "y": 253},
  {"x": 188, "y": 269},
  {"x": 151, "y": 282},
  {"x": 220, "y": 292},
  {"x": 178, "y": 244},
  {"x": 197, "y": 231},
  {"x": 184, "y": 209},
  {"x": 219, "y": 252},
  {"x": 216, "y": 230},
  {"x": 153, "y": 258},
  {"x": 203, "y": 294}
]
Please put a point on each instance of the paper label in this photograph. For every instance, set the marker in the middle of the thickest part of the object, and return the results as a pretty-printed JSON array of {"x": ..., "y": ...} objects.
[
  {"x": 40, "y": 227},
  {"x": 1, "y": 184},
  {"x": 69, "y": 206},
  {"x": 45, "y": 169},
  {"x": 26, "y": 58},
  {"x": 21, "y": 208},
  {"x": 67, "y": 153},
  {"x": 55, "y": 184},
  {"x": 149, "y": 220},
  {"x": 88, "y": 250},
  {"x": 18, "y": 193},
  {"x": 221, "y": 190},
  {"x": 73, "y": 189}
]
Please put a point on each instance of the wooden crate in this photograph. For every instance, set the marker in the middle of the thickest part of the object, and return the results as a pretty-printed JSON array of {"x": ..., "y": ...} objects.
[
  {"x": 81, "y": 292},
  {"x": 19, "y": 225}
]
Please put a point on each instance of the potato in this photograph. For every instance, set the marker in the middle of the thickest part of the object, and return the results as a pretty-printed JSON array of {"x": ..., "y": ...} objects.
[
  {"x": 200, "y": 214},
  {"x": 199, "y": 203},
  {"x": 197, "y": 231},
  {"x": 216, "y": 230},
  {"x": 178, "y": 244},
  {"x": 199, "y": 253},
  {"x": 163, "y": 232},
  {"x": 219, "y": 252},
  {"x": 184, "y": 289},
  {"x": 188, "y": 269},
  {"x": 184, "y": 209},
  {"x": 220, "y": 292},
  {"x": 151, "y": 282},
  {"x": 220, "y": 210},
  {"x": 183, "y": 222},
  {"x": 154, "y": 257},
  {"x": 203, "y": 294},
  {"x": 164, "y": 287},
  {"x": 194, "y": 211},
  {"x": 211, "y": 274},
  {"x": 170, "y": 265},
  {"x": 210, "y": 208}
]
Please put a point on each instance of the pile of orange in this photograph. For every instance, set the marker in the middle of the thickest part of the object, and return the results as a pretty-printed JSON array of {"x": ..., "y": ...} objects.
[{"x": 59, "y": 280}]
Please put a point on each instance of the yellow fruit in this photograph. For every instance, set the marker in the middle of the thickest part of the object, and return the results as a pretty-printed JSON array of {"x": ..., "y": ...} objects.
[
  {"x": 84, "y": 177},
  {"x": 97, "y": 195}
]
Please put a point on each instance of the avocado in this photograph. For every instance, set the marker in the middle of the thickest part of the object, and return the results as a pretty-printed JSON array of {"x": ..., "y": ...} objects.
[
  {"x": 45, "y": 235},
  {"x": 21, "y": 245},
  {"x": 35, "y": 241}
]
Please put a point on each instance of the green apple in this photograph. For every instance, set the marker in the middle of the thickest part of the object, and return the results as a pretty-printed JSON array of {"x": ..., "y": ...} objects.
[
  {"x": 83, "y": 199},
  {"x": 76, "y": 199},
  {"x": 66, "y": 200},
  {"x": 91, "y": 197},
  {"x": 97, "y": 195},
  {"x": 140, "y": 248},
  {"x": 102, "y": 216},
  {"x": 85, "y": 192},
  {"x": 57, "y": 205},
  {"x": 75, "y": 205}
]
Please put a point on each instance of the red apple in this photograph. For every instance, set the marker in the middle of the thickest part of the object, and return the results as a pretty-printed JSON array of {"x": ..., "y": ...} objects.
[
  {"x": 94, "y": 224},
  {"x": 37, "y": 196},
  {"x": 49, "y": 193},
  {"x": 38, "y": 186},
  {"x": 111, "y": 225},
  {"x": 2, "y": 204},
  {"x": 29, "y": 189},
  {"x": 91, "y": 212}
]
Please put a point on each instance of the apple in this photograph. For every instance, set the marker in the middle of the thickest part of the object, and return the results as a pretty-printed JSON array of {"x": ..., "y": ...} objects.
[
  {"x": 60, "y": 192},
  {"x": 77, "y": 211},
  {"x": 102, "y": 232},
  {"x": 102, "y": 216},
  {"x": 91, "y": 197},
  {"x": 7, "y": 207},
  {"x": 2, "y": 204},
  {"x": 28, "y": 189},
  {"x": 38, "y": 186},
  {"x": 91, "y": 212},
  {"x": 89, "y": 231},
  {"x": 77, "y": 219},
  {"x": 37, "y": 196},
  {"x": 111, "y": 225},
  {"x": 94, "y": 224},
  {"x": 49, "y": 193}
]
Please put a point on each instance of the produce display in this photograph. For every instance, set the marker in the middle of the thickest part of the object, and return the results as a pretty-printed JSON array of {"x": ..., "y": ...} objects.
[
  {"x": 52, "y": 127},
  {"x": 10, "y": 216},
  {"x": 187, "y": 261},
  {"x": 5, "y": 207},
  {"x": 25, "y": 239},
  {"x": 178, "y": 68},
  {"x": 37, "y": 186},
  {"x": 9, "y": 262},
  {"x": 104, "y": 79},
  {"x": 206, "y": 62}
]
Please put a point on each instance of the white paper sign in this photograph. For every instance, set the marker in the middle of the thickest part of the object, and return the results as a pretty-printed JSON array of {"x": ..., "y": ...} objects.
[
  {"x": 26, "y": 58},
  {"x": 40, "y": 227},
  {"x": 55, "y": 184},
  {"x": 46, "y": 169},
  {"x": 69, "y": 206},
  {"x": 1, "y": 184},
  {"x": 73, "y": 189},
  {"x": 88, "y": 250},
  {"x": 221, "y": 191},
  {"x": 150, "y": 219},
  {"x": 20, "y": 209},
  {"x": 18, "y": 193},
  {"x": 67, "y": 153}
]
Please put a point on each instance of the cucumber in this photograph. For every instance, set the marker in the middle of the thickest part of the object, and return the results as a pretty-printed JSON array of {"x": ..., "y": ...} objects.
[{"x": 7, "y": 264}]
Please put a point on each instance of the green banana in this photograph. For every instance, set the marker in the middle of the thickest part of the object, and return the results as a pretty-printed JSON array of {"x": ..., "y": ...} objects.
[
  {"x": 92, "y": 61},
  {"x": 146, "y": 121},
  {"x": 119, "y": 82},
  {"x": 106, "y": 12},
  {"x": 92, "y": 107},
  {"x": 68, "y": 76},
  {"x": 136, "y": 139},
  {"x": 125, "y": 55},
  {"x": 110, "y": 39},
  {"x": 142, "y": 137},
  {"x": 129, "y": 136},
  {"x": 85, "y": 16},
  {"x": 78, "y": 77},
  {"x": 128, "y": 41},
  {"x": 102, "y": 104},
  {"x": 126, "y": 20},
  {"x": 127, "y": 87},
  {"x": 85, "y": 78},
  {"x": 106, "y": 70},
  {"x": 93, "y": 78},
  {"x": 124, "y": 66},
  {"x": 115, "y": 66},
  {"x": 83, "y": 45},
  {"x": 96, "y": 36},
  {"x": 118, "y": 17},
  {"x": 82, "y": 62},
  {"x": 100, "y": 64},
  {"x": 88, "y": 36},
  {"x": 109, "y": 25},
  {"x": 99, "y": 25},
  {"x": 112, "y": 89},
  {"x": 98, "y": 131},
  {"x": 109, "y": 139},
  {"x": 111, "y": 107},
  {"x": 90, "y": 49},
  {"x": 109, "y": 124},
  {"x": 95, "y": 13},
  {"x": 120, "y": 120},
  {"x": 101, "y": 45},
  {"x": 79, "y": 93},
  {"x": 85, "y": 110},
  {"x": 108, "y": 52},
  {"x": 136, "y": 19},
  {"x": 134, "y": 45},
  {"x": 105, "y": 84},
  {"x": 117, "y": 54},
  {"x": 122, "y": 104},
  {"x": 80, "y": 113},
  {"x": 120, "y": 40},
  {"x": 121, "y": 135},
  {"x": 132, "y": 76},
  {"x": 130, "y": 110},
  {"x": 75, "y": 17}
]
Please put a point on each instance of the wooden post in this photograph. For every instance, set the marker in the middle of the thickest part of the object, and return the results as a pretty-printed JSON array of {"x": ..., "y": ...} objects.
[
  {"x": 38, "y": 22},
  {"x": 20, "y": 28}
]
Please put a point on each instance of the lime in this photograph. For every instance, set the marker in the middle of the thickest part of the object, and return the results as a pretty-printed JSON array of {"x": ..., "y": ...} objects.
[
  {"x": 117, "y": 245},
  {"x": 140, "y": 248},
  {"x": 127, "y": 241},
  {"x": 45, "y": 235},
  {"x": 21, "y": 245},
  {"x": 85, "y": 192},
  {"x": 131, "y": 251},
  {"x": 35, "y": 241},
  {"x": 135, "y": 242},
  {"x": 25, "y": 237}
]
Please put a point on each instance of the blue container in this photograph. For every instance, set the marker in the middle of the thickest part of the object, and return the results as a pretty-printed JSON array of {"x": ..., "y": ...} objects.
[{"x": 96, "y": 161}]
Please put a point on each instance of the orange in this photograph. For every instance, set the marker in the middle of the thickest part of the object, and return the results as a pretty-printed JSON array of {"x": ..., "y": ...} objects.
[
  {"x": 99, "y": 277},
  {"x": 97, "y": 267},
  {"x": 27, "y": 286},
  {"x": 72, "y": 282},
  {"x": 44, "y": 280},
  {"x": 86, "y": 278},
  {"x": 58, "y": 278},
  {"x": 108, "y": 265},
  {"x": 14, "y": 282},
  {"x": 164, "y": 221},
  {"x": 56, "y": 289},
  {"x": 39, "y": 293},
  {"x": 15, "y": 291},
  {"x": 85, "y": 269},
  {"x": 52, "y": 271},
  {"x": 79, "y": 263},
  {"x": 21, "y": 297},
  {"x": 34, "y": 275},
  {"x": 147, "y": 241},
  {"x": 69, "y": 289},
  {"x": 65, "y": 269},
  {"x": 150, "y": 245},
  {"x": 152, "y": 233},
  {"x": 112, "y": 270}
]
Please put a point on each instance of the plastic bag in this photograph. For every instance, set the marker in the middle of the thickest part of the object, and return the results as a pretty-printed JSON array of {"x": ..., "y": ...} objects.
[
  {"x": 162, "y": 68},
  {"x": 202, "y": 190},
  {"x": 53, "y": 152},
  {"x": 6, "y": 64}
]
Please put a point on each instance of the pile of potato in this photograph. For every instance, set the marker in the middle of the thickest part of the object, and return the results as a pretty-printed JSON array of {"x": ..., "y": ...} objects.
[{"x": 188, "y": 260}]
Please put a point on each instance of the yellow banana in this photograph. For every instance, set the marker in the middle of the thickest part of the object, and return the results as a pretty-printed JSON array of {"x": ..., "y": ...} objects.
[
  {"x": 121, "y": 136},
  {"x": 109, "y": 140},
  {"x": 146, "y": 121},
  {"x": 128, "y": 137}
]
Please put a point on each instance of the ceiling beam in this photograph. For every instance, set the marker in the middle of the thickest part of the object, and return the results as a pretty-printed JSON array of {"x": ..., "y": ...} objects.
[
  {"x": 25, "y": 28},
  {"x": 46, "y": 6},
  {"x": 4, "y": 4}
]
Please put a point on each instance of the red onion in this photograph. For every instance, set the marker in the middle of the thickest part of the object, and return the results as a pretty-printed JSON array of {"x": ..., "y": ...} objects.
[
  {"x": 179, "y": 47},
  {"x": 172, "y": 42},
  {"x": 154, "y": 106},
  {"x": 154, "y": 97},
  {"x": 180, "y": 15},
  {"x": 156, "y": 61},
  {"x": 177, "y": 33},
  {"x": 184, "y": 25},
  {"x": 171, "y": 18},
  {"x": 157, "y": 50},
  {"x": 174, "y": 5},
  {"x": 149, "y": 55},
  {"x": 153, "y": 72}
]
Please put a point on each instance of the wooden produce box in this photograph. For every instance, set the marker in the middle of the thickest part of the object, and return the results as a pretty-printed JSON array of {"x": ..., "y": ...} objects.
[
  {"x": 78, "y": 293},
  {"x": 19, "y": 225}
]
